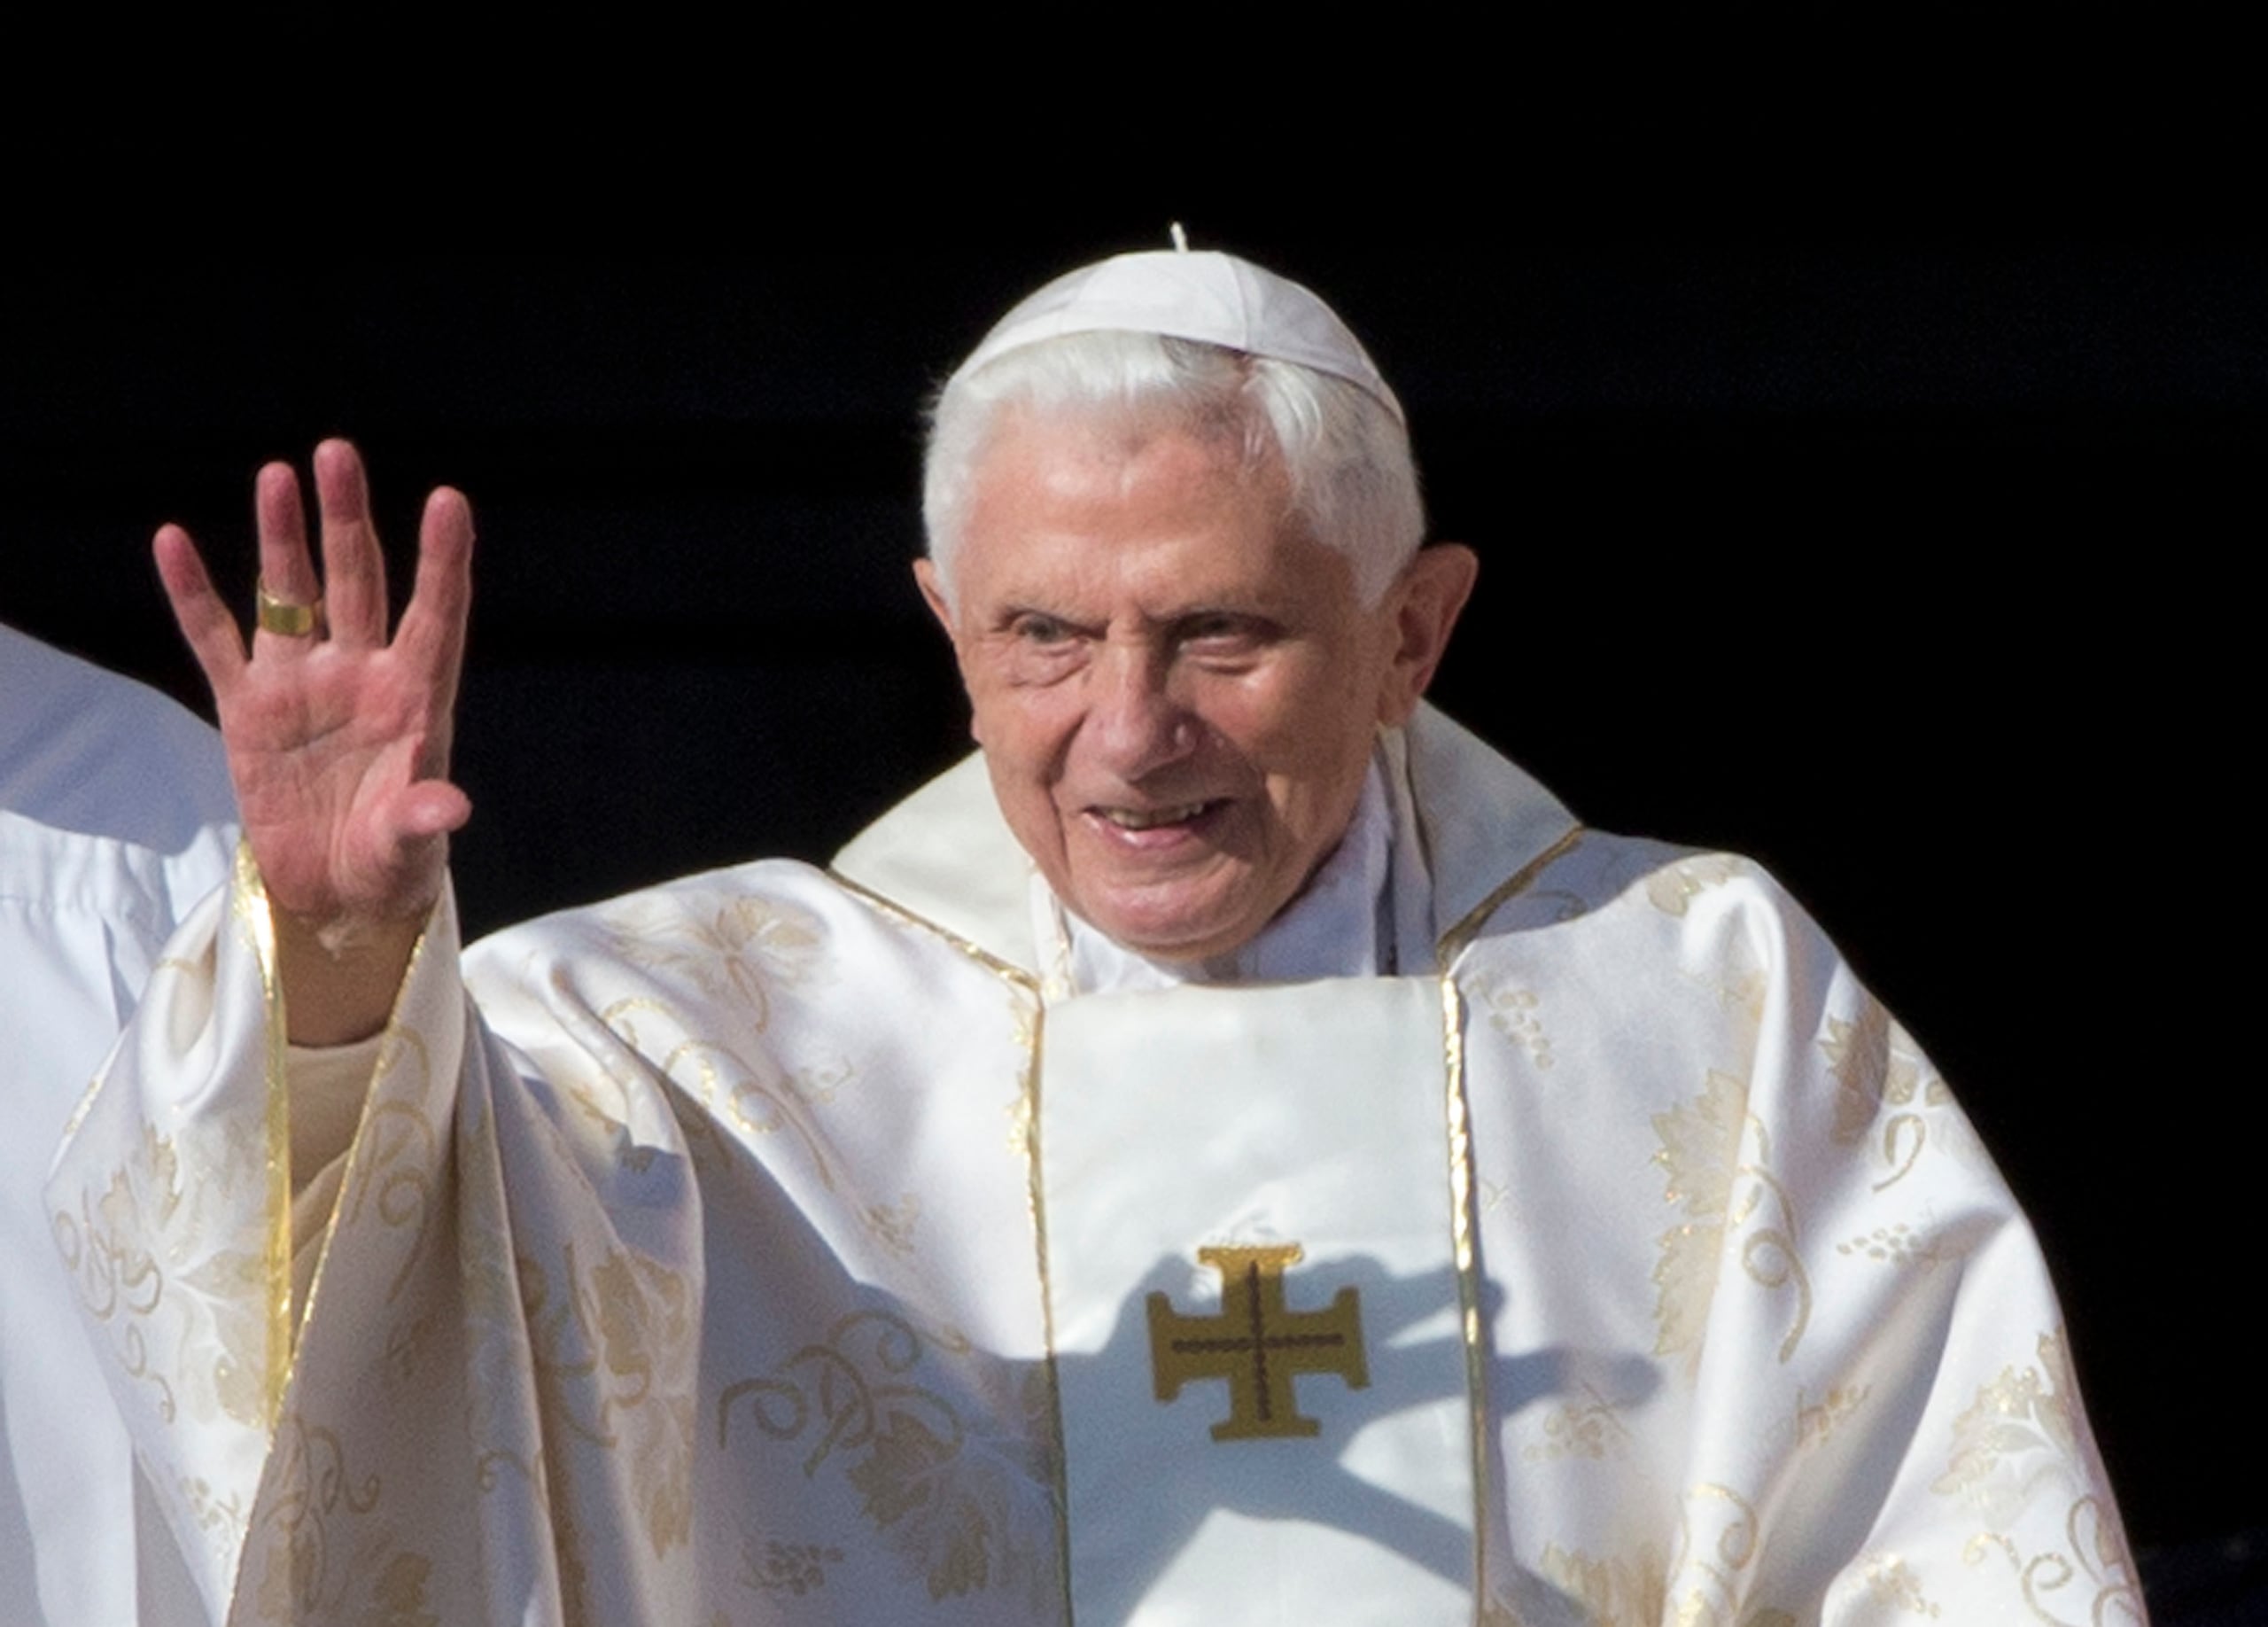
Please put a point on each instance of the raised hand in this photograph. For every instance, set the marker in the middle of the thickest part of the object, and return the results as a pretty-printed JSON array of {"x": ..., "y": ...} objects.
[{"x": 338, "y": 739}]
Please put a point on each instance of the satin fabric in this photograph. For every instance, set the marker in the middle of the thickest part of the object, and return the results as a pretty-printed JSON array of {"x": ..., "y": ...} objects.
[
  {"x": 115, "y": 817},
  {"x": 698, "y": 1275}
]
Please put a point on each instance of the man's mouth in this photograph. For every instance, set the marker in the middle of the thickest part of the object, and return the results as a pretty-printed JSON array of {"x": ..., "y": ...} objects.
[{"x": 1151, "y": 819}]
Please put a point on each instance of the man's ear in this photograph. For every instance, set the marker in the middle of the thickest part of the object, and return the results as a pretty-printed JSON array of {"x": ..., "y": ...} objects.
[
  {"x": 925, "y": 575},
  {"x": 933, "y": 592},
  {"x": 1425, "y": 605}
]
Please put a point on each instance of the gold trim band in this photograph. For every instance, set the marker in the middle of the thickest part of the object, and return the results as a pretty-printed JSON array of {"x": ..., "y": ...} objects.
[
  {"x": 1456, "y": 938},
  {"x": 1464, "y": 1247}
]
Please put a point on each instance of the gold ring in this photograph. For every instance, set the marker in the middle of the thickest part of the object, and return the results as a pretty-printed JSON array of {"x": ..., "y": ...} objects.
[{"x": 282, "y": 616}]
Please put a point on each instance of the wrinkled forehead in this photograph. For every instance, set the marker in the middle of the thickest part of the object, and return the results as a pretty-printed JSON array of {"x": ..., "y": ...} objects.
[{"x": 1090, "y": 500}]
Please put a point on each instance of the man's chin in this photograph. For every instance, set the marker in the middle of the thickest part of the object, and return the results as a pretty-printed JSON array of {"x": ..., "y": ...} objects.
[{"x": 1176, "y": 931}]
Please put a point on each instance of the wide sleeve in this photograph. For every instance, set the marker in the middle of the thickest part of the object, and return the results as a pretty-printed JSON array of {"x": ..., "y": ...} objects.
[
  {"x": 1778, "y": 1343},
  {"x": 328, "y": 1465},
  {"x": 170, "y": 1201},
  {"x": 489, "y": 1409},
  {"x": 1877, "y": 1355}
]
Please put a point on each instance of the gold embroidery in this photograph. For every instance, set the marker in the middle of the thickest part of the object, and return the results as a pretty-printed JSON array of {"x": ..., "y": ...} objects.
[
  {"x": 1891, "y": 1580},
  {"x": 1583, "y": 1429},
  {"x": 735, "y": 953},
  {"x": 1877, "y": 1069},
  {"x": 292, "y": 1543},
  {"x": 968, "y": 1510},
  {"x": 1614, "y": 1592},
  {"x": 1896, "y": 1245},
  {"x": 892, "y": 1225},
  {"x": 398, "y": 1039},
  {"x": 1997, "y": 1465},
  {"x": 400, "y": 1157},
  {"x": 1512, "y": 1013},
  {"x": 248, "y": 902},
  {"x": 614, "y": 1362},
  {"x": 398, "y": 1594},
  {"x": 791, "y": 1567},
  {"x": 1026, "y": 1015},
  {"x": 1700, "y": 1153},
  {"x": 1672, "y": 888},
  {"x": 1028, "y": 1012},
  {"x": 2097, "y": 1560},
  {"x": 1256, "y": 1344},
  {"x": 1816, "y": 1421},
  {"x": 1464, "y": 1251},
  {"x": 1454, "y": 941},
  {"x": 2024, "y": 1438},
  {"x": 1706, "y": 1586},
  {"x": 144, "y": 1235},
  {"x": 759, "y": 1101},
  {"x": 226, "y": 1514}
]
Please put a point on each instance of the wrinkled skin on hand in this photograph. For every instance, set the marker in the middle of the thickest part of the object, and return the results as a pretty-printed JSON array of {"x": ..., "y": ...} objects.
[{"x": 339, "y": 740}]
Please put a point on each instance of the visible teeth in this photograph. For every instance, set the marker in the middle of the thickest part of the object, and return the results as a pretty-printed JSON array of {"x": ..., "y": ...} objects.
[{"x": 1144, "y": 819}]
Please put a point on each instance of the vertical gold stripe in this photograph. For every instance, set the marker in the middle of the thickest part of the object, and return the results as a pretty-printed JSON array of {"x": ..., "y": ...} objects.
[
  {"x": 1038, "y": 1197},
  {"x": 1464, "y": 1238},
  {"x": 1465, "y": 1251},
  {"x": 249, "y": 896},
  {"x": 1036, "y": 1194}
]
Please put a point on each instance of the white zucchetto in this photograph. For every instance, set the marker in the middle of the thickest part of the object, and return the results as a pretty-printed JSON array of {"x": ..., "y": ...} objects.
[{"x": 1214, "y": 298}]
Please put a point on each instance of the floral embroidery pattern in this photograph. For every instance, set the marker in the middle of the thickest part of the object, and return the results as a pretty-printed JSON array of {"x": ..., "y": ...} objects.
[
  {"x": 1671, "y": 888},
  {"x": 735, "y": 950},
  {"x": 753, "y": 1097},
  {"x": 1586, "y": 1428},
  {"x": 614, "y": 1361},
  {"x": 1816, "y": 1421},
  {"x": 1880, "y": 1074},
  {"x": 892, "y": 1225},
  {"x": 1615, "y": 1591},
  {"x": 2023, "y": 1438},
  {"x": 1891, "y": 1580},
  {"x": 968, "y": 1510},
  {"x": 143, "y": 1237},
  {"x": 793, "y": 1568},
  {"x": 1727, "y": 1201},
  {"x": 305, "y": 1568}
]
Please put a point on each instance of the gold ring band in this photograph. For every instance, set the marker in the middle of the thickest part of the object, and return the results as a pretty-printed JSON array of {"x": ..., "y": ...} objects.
[{"x": 284, "y": 617}]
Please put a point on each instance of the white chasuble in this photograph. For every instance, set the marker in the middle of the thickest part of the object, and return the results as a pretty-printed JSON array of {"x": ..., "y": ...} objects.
[{"x": 782, "y": 1246}]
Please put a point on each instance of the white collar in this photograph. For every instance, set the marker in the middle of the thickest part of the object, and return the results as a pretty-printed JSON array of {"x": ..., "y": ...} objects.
[{"x": 945, "y": 857}]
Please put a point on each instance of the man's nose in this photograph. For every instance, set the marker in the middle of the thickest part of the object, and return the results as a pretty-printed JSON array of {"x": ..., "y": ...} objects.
[{"x": 1138, "y": 724}]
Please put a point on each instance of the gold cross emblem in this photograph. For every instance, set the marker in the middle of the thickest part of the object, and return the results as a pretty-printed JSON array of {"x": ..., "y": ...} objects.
[{"x": 1256, "y": 1344}]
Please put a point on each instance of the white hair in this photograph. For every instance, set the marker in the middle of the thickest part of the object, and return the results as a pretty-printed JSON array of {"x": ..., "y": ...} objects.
[{"x": 1353, "y": 485}]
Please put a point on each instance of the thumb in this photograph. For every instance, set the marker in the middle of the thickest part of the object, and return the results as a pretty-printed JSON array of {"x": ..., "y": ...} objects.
[{"x": 432, "y": 808}]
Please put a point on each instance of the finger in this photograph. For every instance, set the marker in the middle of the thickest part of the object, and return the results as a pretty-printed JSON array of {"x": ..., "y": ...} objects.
[
  {"x": 431, "y": 635},
  {"x": 285, "y": 569},
  {"x": 354, "y": 566},
  {"x": 204, "y": 621}
]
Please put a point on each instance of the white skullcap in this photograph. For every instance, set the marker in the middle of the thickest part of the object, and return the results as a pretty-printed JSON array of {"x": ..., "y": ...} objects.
[{"x": 1207, "y": 296}]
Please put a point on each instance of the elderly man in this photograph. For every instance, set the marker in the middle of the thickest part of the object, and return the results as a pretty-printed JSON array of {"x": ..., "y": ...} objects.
[{"x": 1235, "y": 1145}]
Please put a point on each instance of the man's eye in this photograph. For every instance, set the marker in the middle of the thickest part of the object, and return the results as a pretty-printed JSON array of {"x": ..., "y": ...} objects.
[
  {"x": 1041, "y": 630},
  {"x": 1219, "y": 631}
]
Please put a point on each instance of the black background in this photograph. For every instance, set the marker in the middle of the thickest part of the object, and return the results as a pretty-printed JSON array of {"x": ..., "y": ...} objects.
[{"x": 1910, "y": 563}]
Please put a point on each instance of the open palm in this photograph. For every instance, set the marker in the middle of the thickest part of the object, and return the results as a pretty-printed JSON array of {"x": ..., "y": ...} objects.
[{"x": 338, "y": 739}]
